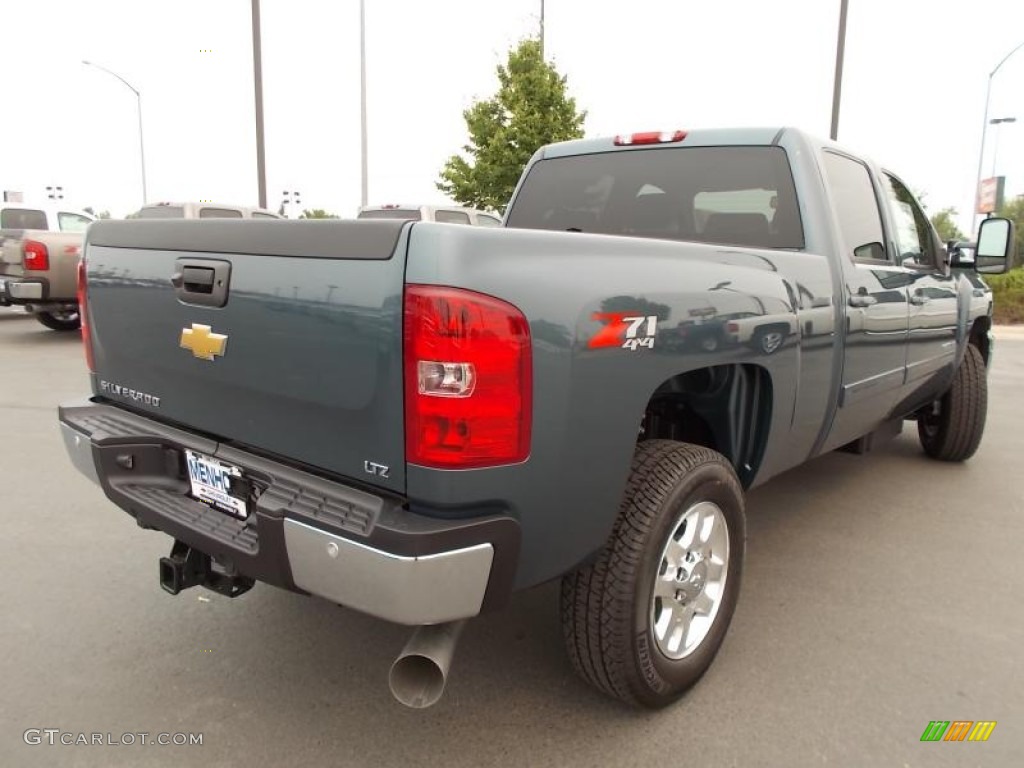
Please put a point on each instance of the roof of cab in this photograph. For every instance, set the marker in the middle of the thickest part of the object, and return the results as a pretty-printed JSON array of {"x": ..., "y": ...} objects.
[{"x": 701, "y": 137}]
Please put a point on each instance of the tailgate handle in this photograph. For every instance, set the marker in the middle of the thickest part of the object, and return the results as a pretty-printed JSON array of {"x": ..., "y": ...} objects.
[
  {"x": 202, "y": 282},
  {"x": 197, "y": 279}
]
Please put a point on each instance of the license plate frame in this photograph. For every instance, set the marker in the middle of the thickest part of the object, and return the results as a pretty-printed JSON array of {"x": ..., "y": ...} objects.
[{"x": 211, "y": 480}]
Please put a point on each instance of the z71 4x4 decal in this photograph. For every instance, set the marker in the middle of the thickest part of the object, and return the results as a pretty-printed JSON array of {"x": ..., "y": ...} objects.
[{"x": 624, "y": 329}]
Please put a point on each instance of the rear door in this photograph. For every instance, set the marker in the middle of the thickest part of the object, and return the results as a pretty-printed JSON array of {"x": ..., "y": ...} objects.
[
  {"x": 877, "y": 315},
  {"x": 283, "y": 337}
]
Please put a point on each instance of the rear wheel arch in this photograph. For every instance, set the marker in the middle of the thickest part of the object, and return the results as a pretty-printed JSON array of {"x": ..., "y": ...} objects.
[{"x": 726, "y": 408}]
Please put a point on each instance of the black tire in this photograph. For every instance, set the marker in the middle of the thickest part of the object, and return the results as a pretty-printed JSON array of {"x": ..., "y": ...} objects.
[
  {"x": 64, "y": 321},
  {"x": 953, "y": 433},
  {"x": 607, "y": 609}
]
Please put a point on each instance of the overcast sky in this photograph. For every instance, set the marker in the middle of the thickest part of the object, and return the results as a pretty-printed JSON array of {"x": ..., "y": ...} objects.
[{"x": 913, "y": 93}]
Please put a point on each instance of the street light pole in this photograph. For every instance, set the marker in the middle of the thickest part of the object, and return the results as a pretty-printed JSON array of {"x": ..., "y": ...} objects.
[
  {"x": 542, "y": 30},
  {"x": 138, "y": 104},
  {"x": 984, "y": 128},
  {"x": 837, "y": 86},
  {"x": 997, "y": 121},
  {"x": 257, "y": 71},
  {"x": 362, "y": 102}
]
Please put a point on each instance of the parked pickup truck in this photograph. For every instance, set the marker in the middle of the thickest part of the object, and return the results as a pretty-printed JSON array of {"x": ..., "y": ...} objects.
[
  {"x": 416, "y": 420},
  {"x": 39, "y": 251}
]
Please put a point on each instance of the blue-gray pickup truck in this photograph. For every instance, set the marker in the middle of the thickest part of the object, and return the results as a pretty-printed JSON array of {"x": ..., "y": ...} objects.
[{"x": 416, "y": 420}]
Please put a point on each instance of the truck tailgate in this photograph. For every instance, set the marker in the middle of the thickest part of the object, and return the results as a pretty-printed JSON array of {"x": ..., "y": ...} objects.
[{"x": 302, "y": 360}]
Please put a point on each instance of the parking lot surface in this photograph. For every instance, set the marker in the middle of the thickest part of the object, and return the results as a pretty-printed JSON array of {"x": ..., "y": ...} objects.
[{"x": 881, "y": 592}]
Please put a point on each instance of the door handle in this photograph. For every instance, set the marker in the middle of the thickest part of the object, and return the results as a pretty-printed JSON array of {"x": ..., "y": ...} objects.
[
  {"x": 202, "y": 282},
  {"x": 918, "y": 299},
  {"x": 861, "y": 300}
]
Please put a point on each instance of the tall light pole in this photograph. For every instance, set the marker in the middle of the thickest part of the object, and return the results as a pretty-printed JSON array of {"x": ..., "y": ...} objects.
[
  {"x": 984, "y": 128},
  {"x": 542, "y": 30},
  {"x": 837, "y": 86},
  {"x": 257, "y": 72},
  {"x": 138, "y": 103},
  {"x": 997, "y": 121},
  {"x": 362, "y": 100}
]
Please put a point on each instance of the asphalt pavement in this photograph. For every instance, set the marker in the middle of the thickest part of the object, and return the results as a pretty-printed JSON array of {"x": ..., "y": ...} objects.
[{"x": 881, "y": 592}]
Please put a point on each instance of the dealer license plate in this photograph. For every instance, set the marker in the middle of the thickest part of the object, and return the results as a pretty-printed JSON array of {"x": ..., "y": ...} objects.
[{"x": 215, "y": 483}]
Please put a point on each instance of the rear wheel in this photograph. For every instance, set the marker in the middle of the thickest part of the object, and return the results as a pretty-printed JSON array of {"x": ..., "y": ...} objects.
[
  {"x": 951, "y": 429},
  {"x": 644, "y": 621},
  {"x": 66, "y": 320}
]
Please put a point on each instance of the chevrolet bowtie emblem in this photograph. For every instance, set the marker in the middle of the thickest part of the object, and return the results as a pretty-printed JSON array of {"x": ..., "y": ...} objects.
[{"x": 203, "y": 344}]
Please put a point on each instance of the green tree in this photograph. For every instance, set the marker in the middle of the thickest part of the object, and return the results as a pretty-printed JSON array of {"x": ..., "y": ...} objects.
[
  {"x": 945, "y": 226},
  {"x": 317, "y": 213},
  {"x": 531, "y": 108}
]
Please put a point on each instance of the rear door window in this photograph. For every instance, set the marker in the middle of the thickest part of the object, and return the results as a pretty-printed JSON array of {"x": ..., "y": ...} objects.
[
  {"x": 727, "y": 195},
  {"x": 860, "y": 220}
]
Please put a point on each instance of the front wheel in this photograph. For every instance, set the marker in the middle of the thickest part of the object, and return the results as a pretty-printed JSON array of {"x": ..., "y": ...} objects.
[
  {"x": 644, "y": 621},
  {"x": 951, "y": 430},
  {"x": 67, "y": 320}
]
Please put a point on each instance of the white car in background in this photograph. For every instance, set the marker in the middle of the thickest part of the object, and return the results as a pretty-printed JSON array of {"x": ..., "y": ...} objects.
[
  {"x": 450, "y": 214},
  {"x": 39, "y": 250},
  {"x": 201, "y": 211}
]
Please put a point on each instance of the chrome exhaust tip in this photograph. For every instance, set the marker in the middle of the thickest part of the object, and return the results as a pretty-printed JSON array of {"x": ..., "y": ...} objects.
[{"x": 419, "y": 674}]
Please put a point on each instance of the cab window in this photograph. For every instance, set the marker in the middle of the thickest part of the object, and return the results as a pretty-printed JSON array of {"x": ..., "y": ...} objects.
[
  {"x": 73, "y": 222},
  {"x": 913, "y": 231}
]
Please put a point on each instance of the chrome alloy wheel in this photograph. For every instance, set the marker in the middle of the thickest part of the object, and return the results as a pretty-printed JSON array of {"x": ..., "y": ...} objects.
[{"x": 691, "y": 578}]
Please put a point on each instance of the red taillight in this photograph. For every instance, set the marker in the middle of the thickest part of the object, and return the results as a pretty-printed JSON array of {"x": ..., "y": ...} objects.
[
  {"x": 37, "y": 257},
  {"x": 83, "y": 314},
  {"x": 732, "y": 327},
  {"x": 468, "y": 379},
  {"x": 649, "y": 137}
]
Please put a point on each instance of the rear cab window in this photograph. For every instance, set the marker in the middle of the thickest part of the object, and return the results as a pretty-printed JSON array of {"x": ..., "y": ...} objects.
[
  {"x": 219, "y": 213},
  {"x": 22, "y": 218},
  {"x": 483, "y": 220},
  {"x": 726, "y": 195},
  {"x": 451, "y": 217},
  {"x": 161, "y": 212},
  {"x": 391, "y": 213}
]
